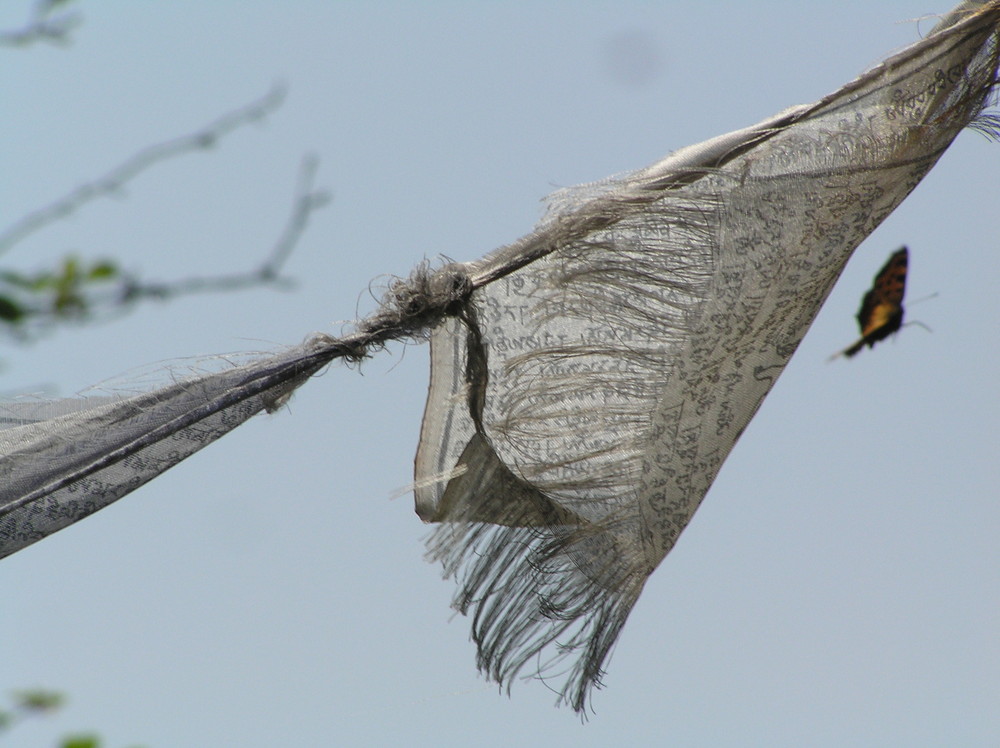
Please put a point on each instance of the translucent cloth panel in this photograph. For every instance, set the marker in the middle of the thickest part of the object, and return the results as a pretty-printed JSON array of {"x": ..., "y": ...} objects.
[
  {"x": 65, "y": 459},
  {"x": 582, "y": 404}
]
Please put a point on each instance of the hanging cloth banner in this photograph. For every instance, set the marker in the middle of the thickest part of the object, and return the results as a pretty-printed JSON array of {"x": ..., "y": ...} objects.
[
  {"x": 582, "y": 404},
  {"x": 62, "y": 460},
  {"x": 588, "y": 380}
]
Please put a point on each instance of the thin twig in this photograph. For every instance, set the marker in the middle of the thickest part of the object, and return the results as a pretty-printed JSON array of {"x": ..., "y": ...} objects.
[
  {"x": 307, "y": 200},
  {"x": 117, "y": 298},
  {"x": 43, "y": 26},
  {"x": 113, "y": 181}
]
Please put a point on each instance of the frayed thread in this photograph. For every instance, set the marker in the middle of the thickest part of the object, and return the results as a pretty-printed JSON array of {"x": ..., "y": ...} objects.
[{"x": 411, "y": 306}]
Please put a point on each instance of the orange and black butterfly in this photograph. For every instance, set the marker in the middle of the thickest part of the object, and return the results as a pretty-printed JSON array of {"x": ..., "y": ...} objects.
[{"x": 881, "y": 312}]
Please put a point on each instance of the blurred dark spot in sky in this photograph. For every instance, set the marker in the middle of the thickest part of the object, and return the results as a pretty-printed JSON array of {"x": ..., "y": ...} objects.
[{"x": 632, "y": 57}]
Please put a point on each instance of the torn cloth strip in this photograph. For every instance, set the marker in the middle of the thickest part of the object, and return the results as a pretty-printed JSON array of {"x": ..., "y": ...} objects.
[
  {"x": 583, "y": 402},
  {"x": 63, "y": 460}
]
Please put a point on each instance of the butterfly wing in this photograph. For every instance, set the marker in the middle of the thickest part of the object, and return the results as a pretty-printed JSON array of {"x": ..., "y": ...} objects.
[{"x": 881, "y": 312}]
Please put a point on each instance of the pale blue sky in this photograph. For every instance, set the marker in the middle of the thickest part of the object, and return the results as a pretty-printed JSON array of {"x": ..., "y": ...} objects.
[{"x": 839, "y": 586}]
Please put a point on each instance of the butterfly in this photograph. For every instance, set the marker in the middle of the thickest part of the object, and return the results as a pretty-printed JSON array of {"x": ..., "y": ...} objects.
[{"x": 881, "y": 312}]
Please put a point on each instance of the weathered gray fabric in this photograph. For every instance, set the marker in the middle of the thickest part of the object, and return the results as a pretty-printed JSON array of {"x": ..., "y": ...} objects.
[
  {"x": 63, "y": 460},
  {"x": 583, "y": 404}
]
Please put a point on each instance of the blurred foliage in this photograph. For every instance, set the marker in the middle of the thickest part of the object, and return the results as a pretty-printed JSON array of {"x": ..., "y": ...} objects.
[
  {"x": 59, "y": 294},
  {"x": 40, "y": 701},
  {"x": 78, "y": 291},
  {"x": 81, "y": 741}
]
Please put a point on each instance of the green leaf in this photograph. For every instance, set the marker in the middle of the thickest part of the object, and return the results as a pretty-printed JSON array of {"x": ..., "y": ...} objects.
[
  {"x": 70, "y": 270},
  {"x": 42, "y": 281},
  {"x": 102, "y": 271},
  {"x": 10, "y": 311},
  {"x": 81, "y": 741},
  {"x": 39, "y": 700}
]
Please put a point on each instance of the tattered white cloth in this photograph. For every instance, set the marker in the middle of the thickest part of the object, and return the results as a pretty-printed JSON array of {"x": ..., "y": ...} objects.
[{"x": 588, "y": 380}]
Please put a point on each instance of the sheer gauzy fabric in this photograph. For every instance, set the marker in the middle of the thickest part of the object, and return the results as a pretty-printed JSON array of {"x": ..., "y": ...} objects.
[
  {"x": 588, "y": 380},
  {"x": 581, "y": 406},
  {"x": 63, "y": 460}
]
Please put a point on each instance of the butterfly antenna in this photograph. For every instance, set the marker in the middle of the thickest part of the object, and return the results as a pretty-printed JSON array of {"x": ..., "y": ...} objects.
[
  {"x": 922, "y": 298},
  {"x": 918, "y": 323}
]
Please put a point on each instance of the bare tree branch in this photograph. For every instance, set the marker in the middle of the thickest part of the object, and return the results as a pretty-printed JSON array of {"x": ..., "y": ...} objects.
[
  {"x": 43, "y": 25},
  {"x": 81, "y": 292},
  {"x": 307, "y": 200},
  {"x": 113, "y": 181}
]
